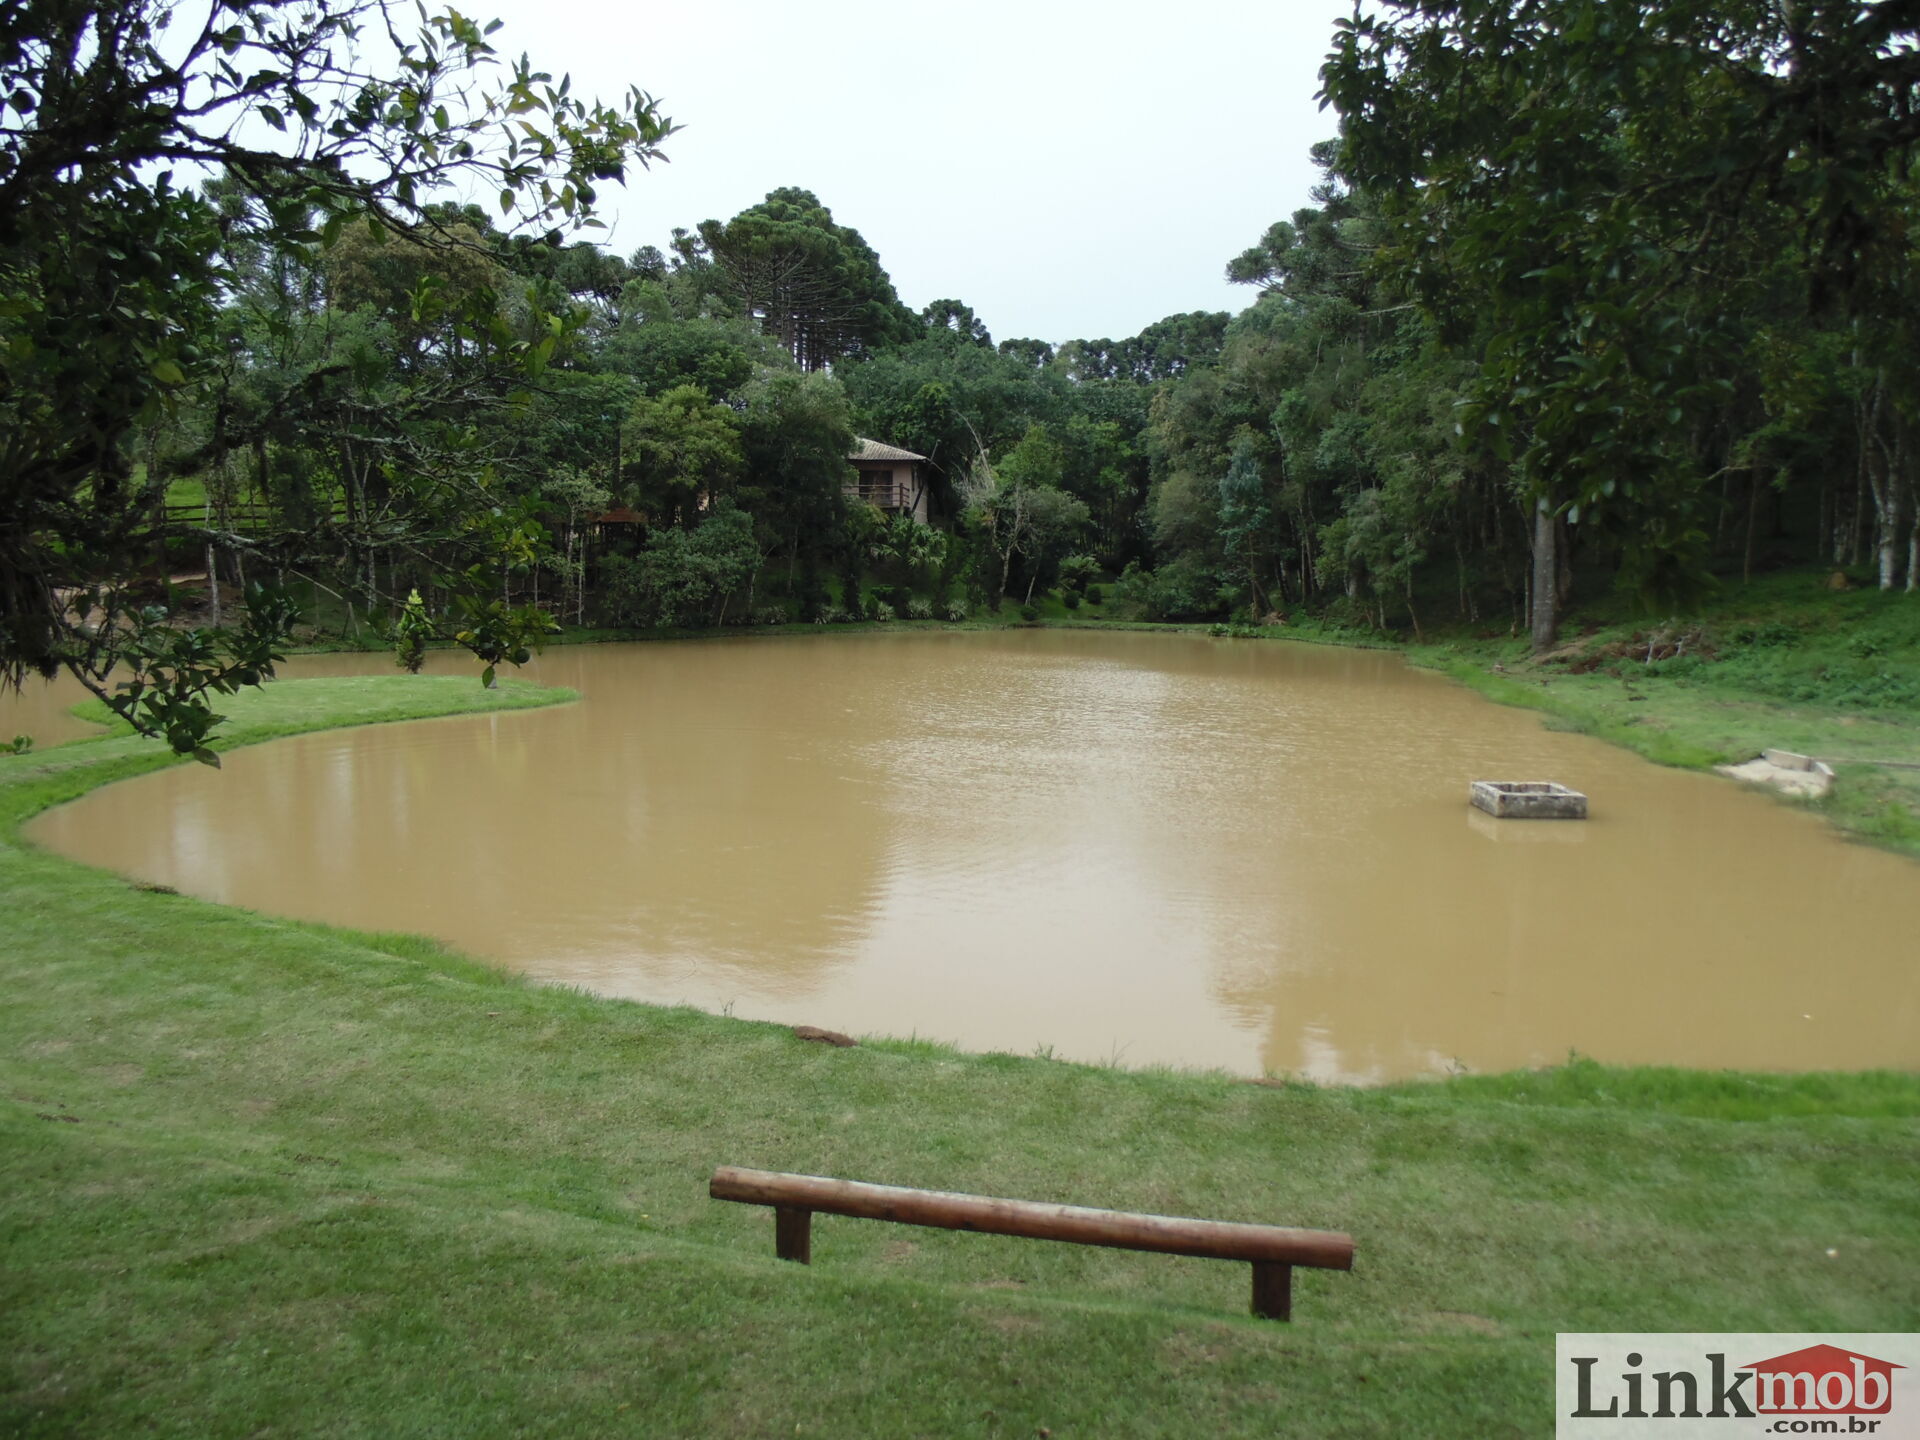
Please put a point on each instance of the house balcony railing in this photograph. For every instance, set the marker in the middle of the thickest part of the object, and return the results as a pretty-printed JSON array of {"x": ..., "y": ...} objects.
[{"x": 887, "y": 497}]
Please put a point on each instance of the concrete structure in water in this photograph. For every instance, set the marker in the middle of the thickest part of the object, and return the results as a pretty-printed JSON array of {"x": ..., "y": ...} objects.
[{"x": 1528, "y": 800}]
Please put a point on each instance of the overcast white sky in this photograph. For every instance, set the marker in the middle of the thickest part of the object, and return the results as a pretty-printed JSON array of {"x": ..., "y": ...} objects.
[{"x": 1070, "y": 170}]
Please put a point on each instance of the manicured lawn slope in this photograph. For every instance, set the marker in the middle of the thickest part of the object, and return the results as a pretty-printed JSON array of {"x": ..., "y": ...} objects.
[{"x": 265, "y": 1179}]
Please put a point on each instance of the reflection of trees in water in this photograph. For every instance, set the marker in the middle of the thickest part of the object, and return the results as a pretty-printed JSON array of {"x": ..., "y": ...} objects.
[
  {"x": 690, "y": 819},
  {"x": 709, "y": 823}
]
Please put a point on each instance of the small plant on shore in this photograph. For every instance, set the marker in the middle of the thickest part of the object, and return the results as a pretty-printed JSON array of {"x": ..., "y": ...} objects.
[
  {"x": 19, "y": 745},
  {"x": 918, "y": 609},
  {"x": 770, "y": 615},
  {"x": 411, "y": 631},
  {"x": 881, "y": 610},
  {"x": 956, "y": 611}
]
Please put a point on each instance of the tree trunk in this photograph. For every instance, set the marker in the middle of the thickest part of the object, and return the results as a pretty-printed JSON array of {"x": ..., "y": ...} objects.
[
  {"x": 1544, "y": 621},
  {"x": 1880, "y": 465},
  {"x": 1906, "y": 494},
  {"x": 1563, "y": 565},
  {"x": 1823, "y": 529},
  {"x": 1857, "y": 535}
]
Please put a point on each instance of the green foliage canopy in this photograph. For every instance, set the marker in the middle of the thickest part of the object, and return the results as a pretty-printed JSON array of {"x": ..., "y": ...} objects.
[
  {"x": 1586, "y": 191},
  {"x": 112, "y": 268}
]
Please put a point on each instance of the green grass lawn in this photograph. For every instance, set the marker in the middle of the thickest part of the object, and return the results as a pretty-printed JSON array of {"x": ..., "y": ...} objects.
[{"x": 269, "y": 1179}]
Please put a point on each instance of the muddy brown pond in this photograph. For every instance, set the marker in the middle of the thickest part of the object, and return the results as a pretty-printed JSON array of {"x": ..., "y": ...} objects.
[{"x": 1111, "y": 847}]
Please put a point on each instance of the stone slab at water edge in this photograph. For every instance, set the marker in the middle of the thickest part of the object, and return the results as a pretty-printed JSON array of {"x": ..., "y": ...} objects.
[
  {"x": 1784, "y": 770},
  {"x": 1529, "y": 800}
]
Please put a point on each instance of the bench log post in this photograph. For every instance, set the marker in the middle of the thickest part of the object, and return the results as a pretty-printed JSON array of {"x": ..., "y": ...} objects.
[
  {"x": 1272, "y": 1290},
  {"x": 793, "y": 1233},
  {"x": 1272, "y": 1250}
]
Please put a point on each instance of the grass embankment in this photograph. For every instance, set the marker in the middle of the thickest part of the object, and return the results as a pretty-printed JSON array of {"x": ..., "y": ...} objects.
[
  {"x": 1783, "y": 663},
  {"x": 265, "y": 1178}
]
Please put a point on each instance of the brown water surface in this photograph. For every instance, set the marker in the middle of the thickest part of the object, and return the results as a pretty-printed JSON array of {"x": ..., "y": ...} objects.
[
  {"x": 1127, "y": 847},
  {"x": 42, "y": 711}
]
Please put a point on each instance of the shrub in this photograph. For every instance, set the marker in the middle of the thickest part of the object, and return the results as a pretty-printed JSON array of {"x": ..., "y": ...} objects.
[
  {"x": 956, "y": 610},
  {"x": 770, "y": 615},
  {"x": 681, "y": 577},
  {"x": 409, "y": 652},
  {"x": 918, "y": 609},
  {"x": 1076, "y": 571},
  {"x": 1096, "y": 595},
  {"x": 1029, "y": 613},
  {"x": 880, "y": 610},
  {"x": 1071, "y": 600},
  {"x": 1183, "y": 589},
  {"x": 1765, "y": 635},
  {"x": 832, "y": 615}
]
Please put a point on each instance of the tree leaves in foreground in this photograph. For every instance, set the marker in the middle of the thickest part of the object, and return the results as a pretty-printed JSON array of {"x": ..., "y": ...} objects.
[{"x": 113, "y": 267}]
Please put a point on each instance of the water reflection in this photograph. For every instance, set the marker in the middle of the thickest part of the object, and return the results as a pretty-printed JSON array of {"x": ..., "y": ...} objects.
[{"x": 1122, "y": 847}]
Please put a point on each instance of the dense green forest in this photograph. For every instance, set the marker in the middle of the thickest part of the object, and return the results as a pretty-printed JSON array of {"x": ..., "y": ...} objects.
[{"x": 1590, "y": 297}]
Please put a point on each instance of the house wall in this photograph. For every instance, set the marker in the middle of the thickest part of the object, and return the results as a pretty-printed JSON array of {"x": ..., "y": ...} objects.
[{"x": 909, "y": 487}]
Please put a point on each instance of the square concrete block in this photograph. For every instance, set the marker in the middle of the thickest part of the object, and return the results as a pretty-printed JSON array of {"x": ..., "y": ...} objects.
[{"x": 1529, "y": 800}]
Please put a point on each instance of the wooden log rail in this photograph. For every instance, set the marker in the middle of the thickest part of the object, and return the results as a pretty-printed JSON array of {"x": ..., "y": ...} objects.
[{"x": 1273, "y": 1250}]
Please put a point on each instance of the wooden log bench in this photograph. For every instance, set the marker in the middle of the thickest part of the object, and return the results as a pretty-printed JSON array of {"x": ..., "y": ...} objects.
[{"x": 1273, "y": 1250}]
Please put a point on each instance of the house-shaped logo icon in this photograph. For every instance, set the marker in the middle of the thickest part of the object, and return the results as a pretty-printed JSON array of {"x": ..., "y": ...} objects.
[{"x": 1823, "y": 1380}]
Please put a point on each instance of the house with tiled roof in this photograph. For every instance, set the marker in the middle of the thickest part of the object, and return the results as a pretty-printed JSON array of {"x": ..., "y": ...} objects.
[{"x": 893, "y": 479}]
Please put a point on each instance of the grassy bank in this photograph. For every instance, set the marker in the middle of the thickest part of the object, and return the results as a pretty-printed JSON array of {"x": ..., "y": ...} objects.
[
  {"x": 266, "y": 1178},
  {"x": 1782, "y": 663}
]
